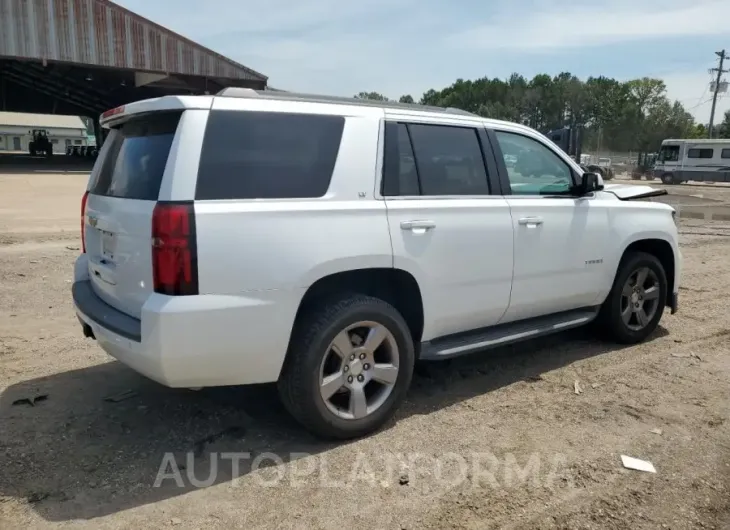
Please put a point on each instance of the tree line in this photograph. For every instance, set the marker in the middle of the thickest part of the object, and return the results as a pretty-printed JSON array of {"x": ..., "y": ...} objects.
[{"x": 618, "y": 116}]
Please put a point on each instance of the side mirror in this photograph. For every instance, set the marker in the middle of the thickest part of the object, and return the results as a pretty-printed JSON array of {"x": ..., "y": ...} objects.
[{"x": 590, "y": 182}]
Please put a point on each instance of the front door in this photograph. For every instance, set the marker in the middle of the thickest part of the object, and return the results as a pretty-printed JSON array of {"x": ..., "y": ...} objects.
[
  {"x": 16, "y": 143},
  {"x": 446, "y": 229},
  {"x": 559, "y": 238}
]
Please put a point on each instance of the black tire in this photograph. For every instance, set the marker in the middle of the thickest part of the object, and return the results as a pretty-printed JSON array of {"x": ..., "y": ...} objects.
[
  {"x": 300, "y": 378},
  {"x": 668, "y": 178},
  {"x": 597, "y": 169},
  {"x": 609, "y": 322}
]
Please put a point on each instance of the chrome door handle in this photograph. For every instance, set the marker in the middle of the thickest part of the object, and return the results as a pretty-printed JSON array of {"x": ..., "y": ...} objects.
[
  {"x": 417, "y": 225},
  {"x": 530, "y": 221}
]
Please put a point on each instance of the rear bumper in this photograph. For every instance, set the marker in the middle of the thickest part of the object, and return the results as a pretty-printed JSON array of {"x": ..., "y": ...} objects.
[
  {"x": 95, "y": 309},
  {"x": 194, "y": 341}
]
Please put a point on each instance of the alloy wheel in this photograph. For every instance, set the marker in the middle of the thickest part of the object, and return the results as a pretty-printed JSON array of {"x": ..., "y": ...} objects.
[
  {"x": 640, "y": 298},
  {"x": 359, "y": 370}
]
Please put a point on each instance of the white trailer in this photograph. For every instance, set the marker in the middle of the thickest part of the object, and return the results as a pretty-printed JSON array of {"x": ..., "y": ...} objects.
[{"x": 697, "y": 160}]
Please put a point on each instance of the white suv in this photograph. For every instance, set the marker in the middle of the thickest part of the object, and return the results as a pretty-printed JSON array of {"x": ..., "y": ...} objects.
[{"x": 327, "y": 244}]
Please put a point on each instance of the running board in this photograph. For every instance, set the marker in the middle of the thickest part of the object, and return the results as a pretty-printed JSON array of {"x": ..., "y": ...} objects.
[{"x": 504, "y": 334}]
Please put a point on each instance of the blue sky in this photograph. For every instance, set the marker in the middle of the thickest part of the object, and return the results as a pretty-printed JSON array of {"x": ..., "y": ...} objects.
[{"x": 397, "y": 47}]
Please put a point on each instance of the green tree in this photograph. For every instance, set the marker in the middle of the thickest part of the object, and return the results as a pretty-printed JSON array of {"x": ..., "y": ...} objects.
[
  {"x": 406, "y": 99},
  {"x": 635, "y": 115},
  {"x": 699, "y": 131},
  {"x": 723, "y": 129},
  {"x": 375, "y": 96},
  {"x": 646, "y": 96}
]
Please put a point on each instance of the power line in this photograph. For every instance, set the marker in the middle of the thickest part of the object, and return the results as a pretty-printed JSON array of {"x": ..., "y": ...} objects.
[
  {"x": 698, "y": 101},
  {"x": 705, "y": 102},
  {"x": 704, "y": 92},
  {"x": 720, "y": 71}
]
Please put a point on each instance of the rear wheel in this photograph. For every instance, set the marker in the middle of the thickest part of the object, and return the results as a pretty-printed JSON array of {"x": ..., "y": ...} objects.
[
  {"x": 349, "y": 366},
  {"x": 637, "y": 299},
  {"x": 597, "y": 169}
]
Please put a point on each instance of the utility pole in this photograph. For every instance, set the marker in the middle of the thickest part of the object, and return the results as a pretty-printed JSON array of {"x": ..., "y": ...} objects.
[{"x": 720, "y": 71}]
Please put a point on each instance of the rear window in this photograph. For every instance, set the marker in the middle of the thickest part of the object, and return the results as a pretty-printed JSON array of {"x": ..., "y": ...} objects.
[
  {"x": 267, "y": 155},
  {"x": 136, "y": 159}
]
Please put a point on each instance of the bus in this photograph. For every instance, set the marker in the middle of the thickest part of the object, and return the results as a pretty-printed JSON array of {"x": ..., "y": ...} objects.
[{"x": 696, "y": 160}]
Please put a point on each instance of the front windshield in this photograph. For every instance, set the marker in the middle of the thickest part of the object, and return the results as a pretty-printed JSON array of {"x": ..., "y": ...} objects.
[{"x": 669, "y": 153}]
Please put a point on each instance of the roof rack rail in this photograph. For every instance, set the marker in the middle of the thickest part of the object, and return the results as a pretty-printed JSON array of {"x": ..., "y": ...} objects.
[
  {"x": 238, "y": 92},
  {"x": 454, "y": 110}
]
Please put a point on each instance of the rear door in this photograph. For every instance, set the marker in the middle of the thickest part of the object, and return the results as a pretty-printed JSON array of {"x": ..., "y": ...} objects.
[
  {"x": 123, "y": 191},
  {"x": 446, "y": 228}
]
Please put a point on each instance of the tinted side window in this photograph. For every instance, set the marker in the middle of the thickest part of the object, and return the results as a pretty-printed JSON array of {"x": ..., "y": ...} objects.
[
  {"x": 532, "y": 167},
  {"x": 449, "y": 160},
  {"x": 725, "y": 153},
  {"x": 267, "y": 155},
  {"x": 407, "y": 174},
  {"x": 136, "y": 159},
  {"x": 399, "y": 165},
  {"x": 700, "y": 153}
]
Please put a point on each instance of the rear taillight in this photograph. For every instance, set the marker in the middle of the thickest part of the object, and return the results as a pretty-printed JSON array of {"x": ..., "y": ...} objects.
[
  {"x": 174, "y": 252},
  {"x": 83, "y": 221},
  {"x": 113, "y": 112}
]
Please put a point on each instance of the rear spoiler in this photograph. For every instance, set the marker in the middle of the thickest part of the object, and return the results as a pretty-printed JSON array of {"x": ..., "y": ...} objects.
[{"x": 122, "y": 113}]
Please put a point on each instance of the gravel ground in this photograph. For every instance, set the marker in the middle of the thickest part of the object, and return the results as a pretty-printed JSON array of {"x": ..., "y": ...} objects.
[{"x": 499, "y": 440}]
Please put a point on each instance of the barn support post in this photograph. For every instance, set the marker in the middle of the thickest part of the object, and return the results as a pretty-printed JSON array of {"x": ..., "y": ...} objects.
[{"x": 97, "y": 133}]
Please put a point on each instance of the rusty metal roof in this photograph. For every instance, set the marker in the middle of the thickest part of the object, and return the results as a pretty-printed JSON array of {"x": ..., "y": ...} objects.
[{"x": 102, "y": 33}]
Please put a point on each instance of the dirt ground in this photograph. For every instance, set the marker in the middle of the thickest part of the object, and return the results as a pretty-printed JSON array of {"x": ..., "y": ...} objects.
[{"x": 499, "y": 440}]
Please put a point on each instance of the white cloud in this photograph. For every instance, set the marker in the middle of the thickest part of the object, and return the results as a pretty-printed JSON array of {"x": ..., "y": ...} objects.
[
  {"x": 408, "y": 46},
  {"x": 215, "y": 17},
  {"x": 552, "y": 25},
  {"x": 332, "y": 46}
]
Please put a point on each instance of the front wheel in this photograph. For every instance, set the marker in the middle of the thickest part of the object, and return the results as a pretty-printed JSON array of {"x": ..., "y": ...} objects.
[
  {"x": 636, "y": 302},
  {"x": 597, "y": 169},
  {"x": 668, "y": 178},
  {"x": 349, "y": 366}
]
